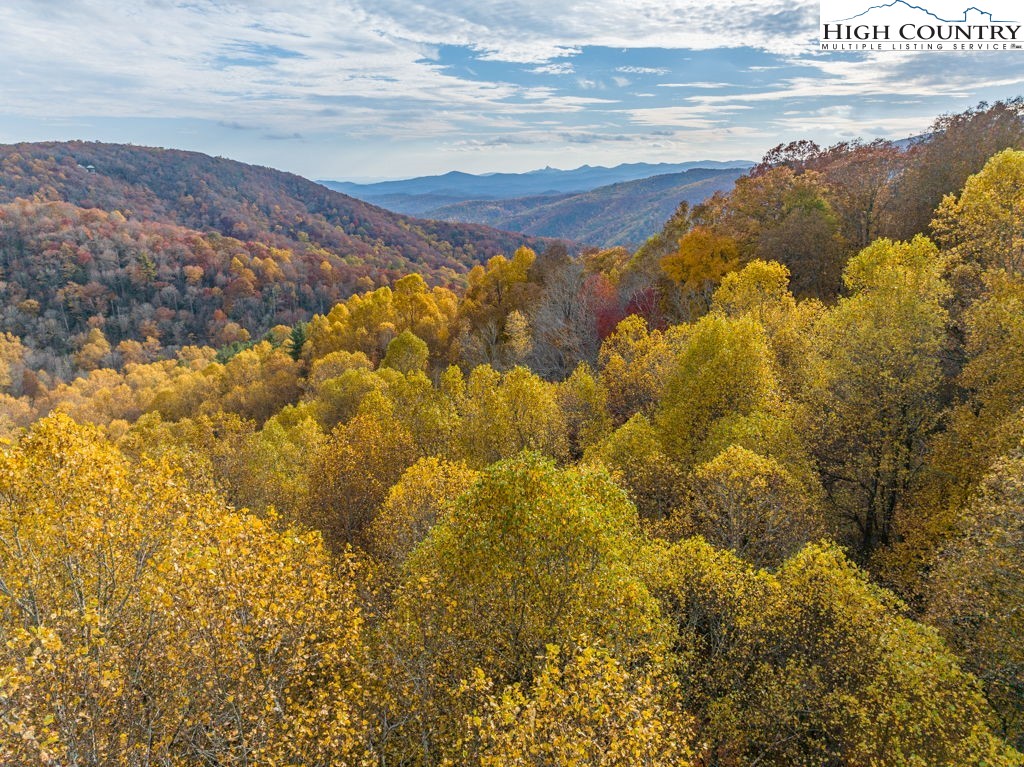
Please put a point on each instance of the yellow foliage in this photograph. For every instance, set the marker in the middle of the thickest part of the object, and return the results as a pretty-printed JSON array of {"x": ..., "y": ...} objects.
[
  {"x": 985, "y": 224},
  {"x": 584, "y": 710},
  {"x": 814, "y": 666},
  {"x": 752, "y": 506},
  {"x": 418, "y": 501},
  {"x": 146, "y": 623}
]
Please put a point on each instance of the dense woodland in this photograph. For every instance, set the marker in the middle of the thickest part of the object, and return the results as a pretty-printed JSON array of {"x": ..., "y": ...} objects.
[
  {"x": 184, "y": 248},
  {"x": 751, "y": 495}
]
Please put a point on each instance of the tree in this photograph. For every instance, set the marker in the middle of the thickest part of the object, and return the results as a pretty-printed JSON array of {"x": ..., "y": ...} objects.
[
  {"x": 505, "y": 414},
  {"x": 813, "y": 666},
  {"x": 985, "y": 224},
  {"x": 147, "y": 623},
  {"x": 583, "y": 403},
  {"x": 704, "y": 257},
  {"x": 761, "y": 290},
  {"x": 634, "y": 362},
  {"x": 586, "y": 709},
  {"x": 861, "y": 179},
  {"x": 351, "y": 474},
  {"x": 406, "y": 353},
  {"x": 634, "y": 455},
  {"x": 785, "y": 216},
  {"x": 957, "y": 146},
  {"x": 530, "y": 556},
  {"x": 94, "y": 349},
  {"x": 976, "y": 590},
  {"x": 493, "y": 292},
  {"x": 752, "y": 506},
  {"x": 878, "y": 386},
  {"x": 724, "y": 372},
  {"x": 296, "y": 340},
  {"x": 417, "y": 502},
  {"x": 986, "y": 423}
]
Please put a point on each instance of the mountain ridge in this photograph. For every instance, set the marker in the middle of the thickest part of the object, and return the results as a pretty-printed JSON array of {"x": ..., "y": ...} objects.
[
  {"x": 248, "y": 202},
  {"x": 625, "y": 213},
  {"x": 418, "y": 195}
]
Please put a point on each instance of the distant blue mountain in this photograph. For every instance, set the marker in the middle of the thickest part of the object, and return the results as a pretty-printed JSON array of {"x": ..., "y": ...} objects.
[
  {"x": 417, "y": 196},
  {"x": 626, "y": 213}
]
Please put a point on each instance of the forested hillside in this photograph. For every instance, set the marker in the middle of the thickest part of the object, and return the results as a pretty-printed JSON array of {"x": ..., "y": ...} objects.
[
  {"x": 624, "y": 214},
  {"x": 749, "y": 496},
  {"x": 173, "y": 248}
]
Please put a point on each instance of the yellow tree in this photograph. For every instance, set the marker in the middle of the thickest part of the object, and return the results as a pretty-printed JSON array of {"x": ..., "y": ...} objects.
[
  {"x": 417, "y": 502},
  {"x": 752, "y": 506},
  {"x": 814, "y": 666},
  {"x": 703, "y": 258},
  {"x": 634, "y": 362},
  {"x": 147, "y": 623},
  {"x": 761, "y": 290},
  {"x": 986, "y": 424},
  {"x": 406, "y": 353},
  {"x": 530, "y": 556},
  {"x": 351, "y": 473},
  {"x": 583, "y": 402},
  {"x": 976, "y": 590},
  {"x": 723, "y": 376},
  {"x": 93, "y": 350},
  {"x": 634, "y": 455},
  {"x": 502, "y": 414},
  {"x": 586, "y": 710},
  {"x": 985, "y": 224}
]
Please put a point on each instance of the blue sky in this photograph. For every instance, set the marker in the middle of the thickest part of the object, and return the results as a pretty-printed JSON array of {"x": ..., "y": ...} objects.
[{"x": 394, "y": 88}]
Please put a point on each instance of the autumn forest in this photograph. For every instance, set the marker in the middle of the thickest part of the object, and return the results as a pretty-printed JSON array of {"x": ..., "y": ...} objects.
[{"x": 288, "y": 479}]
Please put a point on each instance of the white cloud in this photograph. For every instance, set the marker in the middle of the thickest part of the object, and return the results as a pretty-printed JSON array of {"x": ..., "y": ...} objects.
[
  {"x": 557, "y": 68},
  {"x": 694, "y": 116},
  {"x": 704, "y": 85},
  {"x": 371, "y": 70},
  {"x": 642, "y": 70},
  {"x": 204, "y": 58}
]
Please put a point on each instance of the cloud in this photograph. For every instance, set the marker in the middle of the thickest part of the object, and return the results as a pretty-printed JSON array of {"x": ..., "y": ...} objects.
[
  {"x": 558, "y": 68},
  {"x": 693, "y": 116},
  {"x": 631, "y": 70},
  {"x": 412, "y": 77},
  {"x": 235, "y": 125},
  {"x": 703, "y": 85}
]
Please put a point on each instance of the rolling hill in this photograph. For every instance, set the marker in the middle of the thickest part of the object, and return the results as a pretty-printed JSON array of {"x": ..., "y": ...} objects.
[
  {"x": 420, "y": 196},
  {"x": 247, "y": 202},
  {"x": 182, "y": 248},
  {"x": 626, "y": 213}
]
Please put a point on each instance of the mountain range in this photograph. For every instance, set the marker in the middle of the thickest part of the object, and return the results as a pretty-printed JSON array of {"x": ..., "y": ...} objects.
[
  {"x": 596, "y": 205},
  {"x": 423, "y": 194},
  {"x": 624, "y": 214}
]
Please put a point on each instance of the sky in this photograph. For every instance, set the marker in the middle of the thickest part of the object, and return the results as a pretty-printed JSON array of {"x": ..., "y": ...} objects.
[{"x": 374, "y": 89}]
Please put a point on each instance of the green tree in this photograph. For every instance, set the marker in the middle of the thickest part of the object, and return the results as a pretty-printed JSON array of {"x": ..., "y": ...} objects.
[
  {"x": 814, "y": 666},
  {"x": 877, "y": 392},
  {"x": 406, "y": 353}
]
